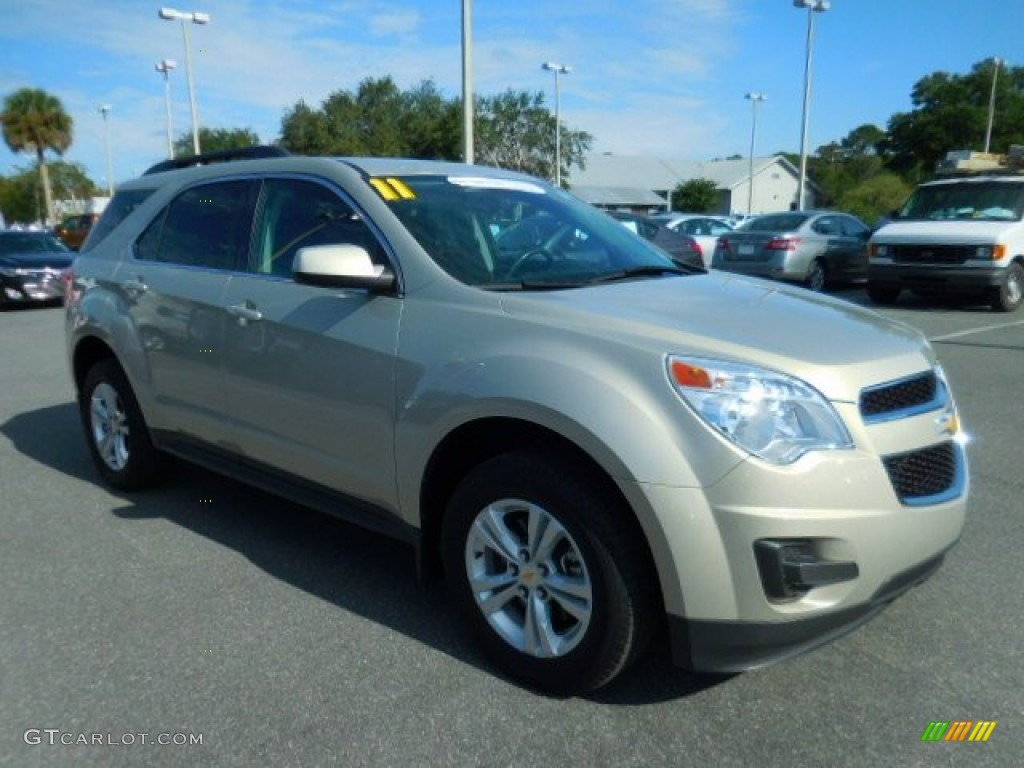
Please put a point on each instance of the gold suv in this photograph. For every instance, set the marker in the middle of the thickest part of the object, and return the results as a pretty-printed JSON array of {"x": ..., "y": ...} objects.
[{"x": 590, "y": 441}]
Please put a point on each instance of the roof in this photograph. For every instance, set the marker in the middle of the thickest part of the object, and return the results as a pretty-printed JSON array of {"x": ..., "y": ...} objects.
[
  {"x": 596, "y": 195},
  {"x": 664, "y": 173}
]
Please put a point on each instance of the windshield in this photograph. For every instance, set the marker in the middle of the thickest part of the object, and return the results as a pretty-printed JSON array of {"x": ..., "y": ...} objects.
[
  {"x": 30, "y": 242},
  {"x": 504, "y": 234},
  {"x": 981, "y": 201}
]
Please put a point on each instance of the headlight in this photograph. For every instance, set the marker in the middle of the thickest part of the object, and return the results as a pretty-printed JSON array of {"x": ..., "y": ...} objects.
[
  {"x": 880, "y": 251},
  {"x": 771, "y": 415},
  {"x": 13, "y": 272},
  {"x": 990, "y": 252}
]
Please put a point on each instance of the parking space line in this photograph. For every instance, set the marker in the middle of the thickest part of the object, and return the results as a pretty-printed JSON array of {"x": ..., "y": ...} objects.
[{"x": 972, "y": 331}]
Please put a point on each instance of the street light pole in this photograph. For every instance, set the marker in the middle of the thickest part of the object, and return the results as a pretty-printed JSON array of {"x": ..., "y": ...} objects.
[
  {"x": 104, "y": 110},
  {"x": 754, "y": 97},
  {"x": 196, "y": 17},
  {"x": 467, "y": 81},
  {"x": 812, "y": 6},
  {"x": 558, "y": 69},
  {"x": 992, "y": 102},
  {"x": 165, "y": 66}
]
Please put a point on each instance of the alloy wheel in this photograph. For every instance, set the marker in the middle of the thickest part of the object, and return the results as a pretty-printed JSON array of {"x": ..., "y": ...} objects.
[
  {"x": 528, "y": 577},
  {"x": 109, "y": 422}
]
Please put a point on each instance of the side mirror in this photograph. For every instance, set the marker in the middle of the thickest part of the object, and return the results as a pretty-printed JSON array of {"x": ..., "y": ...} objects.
[{"x": 341, "y": 266}]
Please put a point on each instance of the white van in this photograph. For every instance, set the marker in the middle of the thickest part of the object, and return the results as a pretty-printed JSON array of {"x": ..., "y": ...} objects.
[{"x": 954, "y": 235}]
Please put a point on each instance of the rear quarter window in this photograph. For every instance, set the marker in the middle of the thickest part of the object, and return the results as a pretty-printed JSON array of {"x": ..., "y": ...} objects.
[{"x": 117, "y": 210}]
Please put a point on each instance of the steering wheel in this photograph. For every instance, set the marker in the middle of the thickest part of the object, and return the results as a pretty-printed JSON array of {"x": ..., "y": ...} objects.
[{"x": 537, "y": 252}]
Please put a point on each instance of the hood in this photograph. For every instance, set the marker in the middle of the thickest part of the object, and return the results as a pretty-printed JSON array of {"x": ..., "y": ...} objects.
[
  {"x": 958, "y": 231},
  {"x": 834, "y": 345},
  {"x": 55, "y": 260}
]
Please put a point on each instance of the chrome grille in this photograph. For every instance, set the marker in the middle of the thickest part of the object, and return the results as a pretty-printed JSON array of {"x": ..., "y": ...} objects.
[
  {"x": 932, "y": 254},
  {"x": 925, "y": 474},
  {"x": 894, "y": 398}
]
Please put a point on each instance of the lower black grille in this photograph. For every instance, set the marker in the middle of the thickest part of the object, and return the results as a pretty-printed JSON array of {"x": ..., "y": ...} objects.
[
  {"x": 923, "y": 473},
  {"x": 933, "y": 254},
  {"x": 898, "y": 395}
]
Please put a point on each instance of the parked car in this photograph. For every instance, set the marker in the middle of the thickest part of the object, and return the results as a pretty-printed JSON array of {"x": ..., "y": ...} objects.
[
  {"x": 31, "y": 264},
  {"x": 588, "y": 441},
  {"x": 705, "y": 229},
  {"x": 73, "y": 230},
  {"x": 814, "y": 248},
  {"x": 682, "y": 248}
]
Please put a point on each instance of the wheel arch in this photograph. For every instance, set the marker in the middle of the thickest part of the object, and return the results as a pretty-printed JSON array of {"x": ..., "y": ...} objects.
[
  {"x": 87, "y": 353},
  {"x": 477, "y": 441}
]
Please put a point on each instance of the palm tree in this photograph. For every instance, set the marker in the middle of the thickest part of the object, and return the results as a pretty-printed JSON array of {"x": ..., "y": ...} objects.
[{"x": 35, "y": 121}]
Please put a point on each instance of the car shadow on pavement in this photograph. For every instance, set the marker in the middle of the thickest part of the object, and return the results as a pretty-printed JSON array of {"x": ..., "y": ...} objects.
[
  {"x": 53, "y": 437},
  {"x": 951, "y": 302},
  {"x": 355, "y": 569}
]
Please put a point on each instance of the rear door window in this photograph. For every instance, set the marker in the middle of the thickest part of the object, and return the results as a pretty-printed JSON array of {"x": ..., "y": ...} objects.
[{"x": 206, "y": 226}]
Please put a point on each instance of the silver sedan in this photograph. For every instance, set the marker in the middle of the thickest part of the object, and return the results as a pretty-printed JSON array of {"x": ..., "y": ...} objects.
[{"x": 815, "y": 248}]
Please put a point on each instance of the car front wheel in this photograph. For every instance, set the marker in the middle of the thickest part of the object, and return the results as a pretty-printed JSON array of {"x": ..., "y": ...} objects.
[
  {"x": 1009, "y": 296},
  {"x": 549, "y": 575},
  {"x": 115, "y": 429}
]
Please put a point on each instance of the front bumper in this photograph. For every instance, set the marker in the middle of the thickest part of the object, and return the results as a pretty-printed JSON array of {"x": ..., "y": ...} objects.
[
  {"x": 18, "y": 290},
  {"x": 729, "y": 647},
  {"x": 855, "y": 547},
  {"x": 936, "y": 277}
]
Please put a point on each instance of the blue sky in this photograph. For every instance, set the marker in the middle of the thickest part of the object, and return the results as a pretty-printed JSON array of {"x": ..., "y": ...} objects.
[{"x": 662, "y": 77}]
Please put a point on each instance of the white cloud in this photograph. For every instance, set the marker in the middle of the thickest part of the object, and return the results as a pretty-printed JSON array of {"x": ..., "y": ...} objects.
[
  {"x": 395, "y": 23},
  {"x": 256, "y": 59}
]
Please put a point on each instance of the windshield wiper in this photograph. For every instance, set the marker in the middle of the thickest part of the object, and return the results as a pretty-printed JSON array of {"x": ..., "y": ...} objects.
[
  {"x": 648, "y": 270},
  {"x": 528, "y": 285}
]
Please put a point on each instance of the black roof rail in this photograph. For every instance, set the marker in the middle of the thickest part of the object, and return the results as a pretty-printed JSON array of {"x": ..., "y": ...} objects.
[{"x": 222, "y": 156}]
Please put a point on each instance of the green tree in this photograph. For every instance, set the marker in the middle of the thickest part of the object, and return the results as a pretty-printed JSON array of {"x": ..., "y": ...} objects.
[
  {"x": 21, "y": 198},
  {"x": 377, "y": 119},
  {"x": 838, "y": 167},
  {"x": 875, "y": 197},
  {"x": 305, "y": 131},
  {"x": 695, "y": 196},
  {"x": 215, "y": 140},
  {"x": 515, "y": 130},
  {"x": 35, "y": 121},
  {"x": 864, "y": 140},
  {"x": 951, "y": 112},
  {"x": 432, "y": 124}
]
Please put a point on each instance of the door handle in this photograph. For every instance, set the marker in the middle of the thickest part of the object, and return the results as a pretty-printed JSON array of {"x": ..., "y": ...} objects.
[
  {"x": 245, "y": 312},
  {"x": 135, "y": 286}
]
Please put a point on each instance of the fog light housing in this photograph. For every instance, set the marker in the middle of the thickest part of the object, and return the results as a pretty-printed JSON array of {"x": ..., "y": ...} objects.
[{"x": 790, "y": 568}]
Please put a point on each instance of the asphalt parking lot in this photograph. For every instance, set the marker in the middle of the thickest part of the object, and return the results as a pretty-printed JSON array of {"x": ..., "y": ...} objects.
[{"x": 207, "y": 611}]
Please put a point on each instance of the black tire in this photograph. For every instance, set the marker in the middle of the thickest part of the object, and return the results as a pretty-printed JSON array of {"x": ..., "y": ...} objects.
[
  {"x": 885, "y": 294},
  {"x": 589, "y": 540},
  {"x": 115, "y": 429},
  {"x": 817, "y": 276},
  {"x": 1008, "y": 296}
]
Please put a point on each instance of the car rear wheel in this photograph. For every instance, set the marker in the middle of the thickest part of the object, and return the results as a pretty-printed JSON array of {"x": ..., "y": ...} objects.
[
  {"x": 883, "y": 293},
  {"x": 816, "y": 276},
  {"x": 547, "y": 572},
  {"x": 115, "y": 429},
  {"x": 1009, "y": 296}
]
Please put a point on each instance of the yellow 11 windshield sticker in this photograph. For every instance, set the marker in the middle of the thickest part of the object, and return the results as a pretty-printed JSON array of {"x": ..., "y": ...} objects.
[{"x": 392, "y": 189}]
